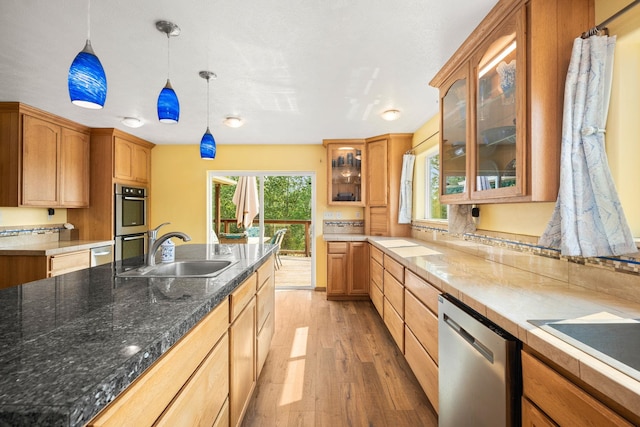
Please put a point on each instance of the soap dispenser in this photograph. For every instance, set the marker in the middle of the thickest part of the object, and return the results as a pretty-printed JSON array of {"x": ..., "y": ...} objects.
[{"x": 168, "y": 251}]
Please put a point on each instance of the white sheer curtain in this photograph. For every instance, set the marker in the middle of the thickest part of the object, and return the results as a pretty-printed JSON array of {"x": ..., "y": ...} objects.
[
  {"x": 406, "y": 189},
  {"x": 588, "y": 219}
]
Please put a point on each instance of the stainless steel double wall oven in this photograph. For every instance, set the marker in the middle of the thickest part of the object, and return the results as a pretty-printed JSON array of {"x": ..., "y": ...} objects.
[{"x": 131, "y": 221}]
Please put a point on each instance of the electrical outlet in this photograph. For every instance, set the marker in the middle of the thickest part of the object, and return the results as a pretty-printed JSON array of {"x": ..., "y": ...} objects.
[
  {"x": 338, "y": 215},
  {"x": 358, "y": 214},
  {"x": 328, "y": 215}
]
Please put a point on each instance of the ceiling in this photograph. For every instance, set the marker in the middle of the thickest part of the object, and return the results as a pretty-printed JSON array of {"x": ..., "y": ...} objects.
[{"x": 297, "y": 72}]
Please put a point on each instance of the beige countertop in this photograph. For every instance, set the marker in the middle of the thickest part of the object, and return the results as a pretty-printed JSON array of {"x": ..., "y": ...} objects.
[
  {"x": 511, "y": 296},
  {"x": 344, "y": 237},
  {"x": 54, "y": 248}
]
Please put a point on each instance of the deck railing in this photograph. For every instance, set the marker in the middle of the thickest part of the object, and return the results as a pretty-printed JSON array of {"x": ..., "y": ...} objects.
[{"x": 229, "y": 226}]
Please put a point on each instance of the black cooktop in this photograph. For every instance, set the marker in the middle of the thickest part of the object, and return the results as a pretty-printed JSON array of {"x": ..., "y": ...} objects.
[{"x": 614, "y": 343}]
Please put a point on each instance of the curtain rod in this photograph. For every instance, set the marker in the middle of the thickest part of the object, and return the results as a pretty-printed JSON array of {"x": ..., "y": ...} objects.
[
  {"x": 602, "y": 26},
  {"x": 412, "y": 150}
]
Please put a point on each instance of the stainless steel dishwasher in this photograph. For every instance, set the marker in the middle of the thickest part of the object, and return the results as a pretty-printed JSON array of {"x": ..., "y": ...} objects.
[{"x": 479, "y": 369}]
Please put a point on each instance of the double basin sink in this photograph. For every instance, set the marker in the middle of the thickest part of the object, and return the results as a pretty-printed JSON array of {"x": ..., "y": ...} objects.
[{"x": 191, "y": 268}]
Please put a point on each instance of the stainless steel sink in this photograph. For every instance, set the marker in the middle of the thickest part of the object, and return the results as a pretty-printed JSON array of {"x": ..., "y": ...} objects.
[{"x": 195, "y": 268}]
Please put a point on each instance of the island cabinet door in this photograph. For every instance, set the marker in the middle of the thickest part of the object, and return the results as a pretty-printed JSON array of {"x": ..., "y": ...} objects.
[
  {"x": 242, "y": 363},
  {"x": 206, "y": 393}
]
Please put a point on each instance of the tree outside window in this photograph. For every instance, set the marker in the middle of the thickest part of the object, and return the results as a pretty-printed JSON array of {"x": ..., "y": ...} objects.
[{"x": 433, "y": 209}]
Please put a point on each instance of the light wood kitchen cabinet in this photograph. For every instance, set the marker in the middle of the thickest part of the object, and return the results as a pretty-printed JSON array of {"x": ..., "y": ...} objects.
[
  {"x": 132, "y": 161},
  {"x": 347, "y": 270},
  {"x": 393, "y": 310},
  {"x": 346, "y": 160},
  {"x": 421, "y": 333},
  {"x": 19, "y": 269},
  {"x": 384, "y": 169},
  {"x": 265, "y": 312},
  {"x": 242, "y": 361},
  {"x": 44, "y": 159},
  {"x": 501, "y": 100},
  {"x": 408, "y": 306},
  {"x": 192, "y": 364},
  {"x": 560, "y": 400},
  {"x": 114, "y": 156},
  {"x": 534, "y": 417}
]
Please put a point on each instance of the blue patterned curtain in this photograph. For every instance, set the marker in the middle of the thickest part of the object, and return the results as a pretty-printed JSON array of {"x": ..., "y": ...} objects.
[{"x": 588, "y": 219}]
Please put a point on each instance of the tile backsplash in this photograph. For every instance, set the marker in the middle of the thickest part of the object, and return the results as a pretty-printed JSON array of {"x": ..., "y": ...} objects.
[
  {"x": 618, "y": 276},
  {"x": 30, "y": 234},
  {"x": 343, "y": 227}
]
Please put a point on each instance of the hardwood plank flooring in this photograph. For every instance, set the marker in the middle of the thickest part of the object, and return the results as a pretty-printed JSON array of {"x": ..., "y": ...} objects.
[
  {"x": 334, "y": 364},
  {"x": 295, "y": 272}
]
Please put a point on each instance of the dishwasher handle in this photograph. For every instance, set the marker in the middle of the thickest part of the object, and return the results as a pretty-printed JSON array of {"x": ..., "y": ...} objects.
[{"x": 474, "y": 342}]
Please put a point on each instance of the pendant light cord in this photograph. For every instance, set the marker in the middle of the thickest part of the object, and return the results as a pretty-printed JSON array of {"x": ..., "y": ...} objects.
[
  {"x": 208, "y": 91},
  {"x": 168, "y": 57},
  {"x": 88, "y": 19}
]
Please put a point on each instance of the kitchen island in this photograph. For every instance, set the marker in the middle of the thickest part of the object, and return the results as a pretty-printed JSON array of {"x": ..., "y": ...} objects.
[{"x": 70, "y": 344}]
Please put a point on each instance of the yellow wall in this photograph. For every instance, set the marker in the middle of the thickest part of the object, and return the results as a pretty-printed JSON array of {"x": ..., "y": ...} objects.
[
  {"x": 179, "y": 184},
  {"x": 30, "y": 216}
]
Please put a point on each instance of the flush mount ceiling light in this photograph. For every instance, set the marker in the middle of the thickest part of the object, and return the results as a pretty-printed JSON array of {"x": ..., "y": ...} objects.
[
  {"x": 131, "y": 122},
  {"x": 391, "y": 115},
  {"x": 86, "y": 80},
  {"x": 233, "y": 122},
  {"x": 207, "y": 143},
  {"x": 168, "y": 105}
]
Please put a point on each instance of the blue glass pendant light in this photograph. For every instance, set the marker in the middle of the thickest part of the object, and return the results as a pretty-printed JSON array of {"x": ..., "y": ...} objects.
[
  {"x": 168, "y": 105},
  {"x": 86, "y": 80},
  {"x": 207, "y": 143}
]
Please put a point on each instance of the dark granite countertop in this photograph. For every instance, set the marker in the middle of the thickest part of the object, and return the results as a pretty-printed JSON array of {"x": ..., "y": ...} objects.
[{"x": 70, "y": 344}]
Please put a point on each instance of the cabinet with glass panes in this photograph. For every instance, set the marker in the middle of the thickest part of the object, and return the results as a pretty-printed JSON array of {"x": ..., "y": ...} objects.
[
  {"x": 345, "y": 171},
  {"x": 501, "y": 98}
]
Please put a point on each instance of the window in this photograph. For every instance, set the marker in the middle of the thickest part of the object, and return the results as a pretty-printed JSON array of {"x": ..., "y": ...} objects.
[{"x": 433, "y": 209}]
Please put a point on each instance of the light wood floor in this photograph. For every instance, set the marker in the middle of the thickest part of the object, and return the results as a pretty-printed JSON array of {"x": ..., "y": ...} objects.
[
  {"x": 334, "y": 364},
  {"x": 294, "y": 273}
]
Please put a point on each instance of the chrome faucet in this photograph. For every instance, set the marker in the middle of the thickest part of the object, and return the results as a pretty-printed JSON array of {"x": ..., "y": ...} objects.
[
  {"x": 153, "y": 234},
  {"x": 155, "y": 242}
]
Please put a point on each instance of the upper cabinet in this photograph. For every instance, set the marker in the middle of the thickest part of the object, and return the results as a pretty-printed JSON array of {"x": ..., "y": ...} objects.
[
  {"x": 345, "y": 171},
  {"x": 116, "y": 157},
  {"x": 501, "y": 99},
  {"x": 132, "y": 160},
  {"x": 44, "y": 161},
  {"x": 384, "y": 169}
]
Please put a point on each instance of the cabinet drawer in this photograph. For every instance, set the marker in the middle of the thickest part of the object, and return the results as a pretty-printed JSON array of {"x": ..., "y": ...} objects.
[
  {"x": 534, "y": 417},
  {"x": 424, "y": 368},
  {"x": 149, "y": 395},
  {"x": 394, "y": 292},
  {"x": 337, "y": 247},
  {"x": 376, "y": 273},
  {"x": 424, "y": 291},
  {"x": 561, "y": 400},
  {"x": 203, "y": 397},
  {"x": 423, "y": 323},
  {"x": 223, "y": 416},
  {"x": 394, "y": 323},
  {"x": 242, "y": 295},
  {"x": 394, "y": 267},
  {"x": 265, "y": 272},
  {"x": 376, "y": 254},
  {"x": 65, "y": 263},
  {"x": 265, "y": 301},
  {"x": 377, "y": 299}
]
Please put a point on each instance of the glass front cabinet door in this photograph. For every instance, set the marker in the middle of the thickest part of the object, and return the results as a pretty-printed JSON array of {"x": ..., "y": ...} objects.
[
  {"x": 499, "y": 93},
  {"x": 454, "y": 137},
  {"x": 501, "y": 101},
  {"x": 345, "y": 172}
]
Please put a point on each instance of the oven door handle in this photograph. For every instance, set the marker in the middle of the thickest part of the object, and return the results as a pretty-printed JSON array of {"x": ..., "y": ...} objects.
[
  {"x": 141, "y": 236},
  {"x": 142, "y": 199}
]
